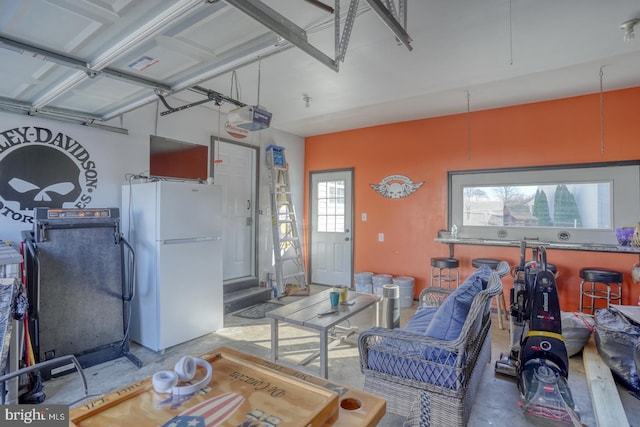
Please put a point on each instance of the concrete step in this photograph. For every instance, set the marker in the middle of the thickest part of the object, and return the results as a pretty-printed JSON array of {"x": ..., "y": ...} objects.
[
  {"x": 245, "y": 298},
  {"x": 235, "y": 285}
]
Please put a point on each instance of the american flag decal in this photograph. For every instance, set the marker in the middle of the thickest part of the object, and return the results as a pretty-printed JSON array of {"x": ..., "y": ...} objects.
[{"x": 210, "y": 413}]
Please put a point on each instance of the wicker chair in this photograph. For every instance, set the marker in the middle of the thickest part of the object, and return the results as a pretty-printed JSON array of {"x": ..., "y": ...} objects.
[{"x": 400, "y": 365}]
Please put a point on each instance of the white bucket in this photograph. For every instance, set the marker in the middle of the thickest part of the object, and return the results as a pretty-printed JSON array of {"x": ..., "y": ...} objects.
[
  {"x": 379, "y": 280},
  {"x": 406, "y": 284},
  {"x": 364, "y": 276},
  {"x": 364, "y": 282},
  {"x": 366, "y": 288}
]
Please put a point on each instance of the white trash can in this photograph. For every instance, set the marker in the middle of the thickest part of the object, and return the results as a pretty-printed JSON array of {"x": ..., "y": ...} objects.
[{"x": 406, "y": 285}]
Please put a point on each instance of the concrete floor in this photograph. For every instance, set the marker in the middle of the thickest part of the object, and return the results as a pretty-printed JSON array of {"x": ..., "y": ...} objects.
[{"x": 495, "y": 405}]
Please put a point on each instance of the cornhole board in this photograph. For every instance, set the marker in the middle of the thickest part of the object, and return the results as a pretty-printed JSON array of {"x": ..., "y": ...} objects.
[{"x": 243, "y": 389}]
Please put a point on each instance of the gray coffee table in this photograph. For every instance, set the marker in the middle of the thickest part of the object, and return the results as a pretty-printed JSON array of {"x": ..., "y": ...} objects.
[{"x": 304, "y": 313}]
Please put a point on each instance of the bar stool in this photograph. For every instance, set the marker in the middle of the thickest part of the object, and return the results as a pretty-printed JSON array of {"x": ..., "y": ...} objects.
[
  {"x": 607, "y": 278},
  {"x": 445, "y": 270},
  {"x": 501, "y": 304}
]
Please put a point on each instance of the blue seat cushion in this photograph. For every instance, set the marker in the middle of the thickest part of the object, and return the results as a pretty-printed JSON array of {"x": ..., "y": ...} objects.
[
  {"x": 448, "y": 320},
  {"x": 420, "y": 320}
]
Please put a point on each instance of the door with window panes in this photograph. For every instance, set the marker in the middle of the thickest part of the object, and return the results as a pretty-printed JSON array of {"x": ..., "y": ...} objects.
[{"x": 331, "y": 216}]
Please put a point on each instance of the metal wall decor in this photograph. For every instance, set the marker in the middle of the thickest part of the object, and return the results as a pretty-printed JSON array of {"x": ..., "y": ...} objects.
[
  {"x": 396, "y": 187},
  {"x": 43, "y": 167}
]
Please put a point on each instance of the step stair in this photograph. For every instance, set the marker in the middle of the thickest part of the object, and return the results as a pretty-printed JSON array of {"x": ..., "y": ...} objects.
[{"x": 245, "y": 292}]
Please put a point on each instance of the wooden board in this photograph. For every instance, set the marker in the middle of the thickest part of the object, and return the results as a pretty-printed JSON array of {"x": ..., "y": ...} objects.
[
  {"x": 357, "y": 407},
  {"x": 256, "y": 390},
  {"x": 607, "y": 406}
]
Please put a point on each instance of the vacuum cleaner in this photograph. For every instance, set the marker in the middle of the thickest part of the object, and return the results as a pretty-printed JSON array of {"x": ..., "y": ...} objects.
[{"x": 538, "y": 355}]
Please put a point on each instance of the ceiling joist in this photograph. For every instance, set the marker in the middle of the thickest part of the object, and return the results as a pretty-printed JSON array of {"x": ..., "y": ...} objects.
[
  {"x": 283, "y": 27},
  {"x": 59, "y": 114},
  {"x": 390, "y": 17},
  {"x": 81, "y": 65},
  {"x": 297, "y": 36},
  {"x": 83, "y": 69},
  {"x": 343, "y": 42}
]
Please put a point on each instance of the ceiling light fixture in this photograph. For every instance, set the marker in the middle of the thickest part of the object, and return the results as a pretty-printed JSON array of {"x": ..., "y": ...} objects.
[{"x": 628, "y": 28}]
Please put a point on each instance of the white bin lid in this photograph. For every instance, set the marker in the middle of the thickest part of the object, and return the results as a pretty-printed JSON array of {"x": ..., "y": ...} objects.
[{"x": 403, "y": 280}]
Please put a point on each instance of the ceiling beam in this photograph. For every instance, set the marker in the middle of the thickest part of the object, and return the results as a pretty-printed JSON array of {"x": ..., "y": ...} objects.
[
  {"x": 80, "y": 65},
  {"x": 282, "y": 26},
  {"x": 143, "y": 33},
  {"x": 321, "y": 5},
  {"x": 59, "y": 114},
  {"x": 25, "y": 106},
  {"x": 341, "y": 42},
  {"x": 389, "y": 19},
  {"x": 228, "y": 64},
  {"x": 43, "y": 54}
]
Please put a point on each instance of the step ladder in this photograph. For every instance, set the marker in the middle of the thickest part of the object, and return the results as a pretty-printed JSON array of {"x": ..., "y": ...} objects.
[{"x": 291, "y": 277}]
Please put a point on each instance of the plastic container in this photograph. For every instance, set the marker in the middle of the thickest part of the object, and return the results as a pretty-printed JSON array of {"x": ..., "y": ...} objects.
[
  {"x": 379, "y": 280},
  {"x": 406, "y": 285},
  {"x": 344, "y": 293},
  {"x": 364, "y": 282},
  {"x": 278, "y": 155}
]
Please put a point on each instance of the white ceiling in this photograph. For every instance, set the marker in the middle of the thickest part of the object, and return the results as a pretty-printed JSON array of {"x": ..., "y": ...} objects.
[{"x": 477, "y": 53}]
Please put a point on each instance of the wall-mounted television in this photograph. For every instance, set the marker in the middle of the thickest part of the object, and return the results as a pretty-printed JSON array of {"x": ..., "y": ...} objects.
[{"x": 169, "y": 158}]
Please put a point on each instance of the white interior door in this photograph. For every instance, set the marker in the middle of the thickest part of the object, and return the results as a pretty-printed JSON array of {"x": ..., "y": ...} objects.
[
  {"x": 235, "y": 170},
  {"x": 331, "y": 255}
]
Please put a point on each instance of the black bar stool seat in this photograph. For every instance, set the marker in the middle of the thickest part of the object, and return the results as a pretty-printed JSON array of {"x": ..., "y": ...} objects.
[
  {"x": 445, "y": 271},
  {"x": 445, "y": 262},
  {"x": 601, "y": 279},
  {"x": 601, "y": 275}
]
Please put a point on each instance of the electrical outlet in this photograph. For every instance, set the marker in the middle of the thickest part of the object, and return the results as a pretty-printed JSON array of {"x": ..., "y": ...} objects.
[
  {"x": 380, "y": 237},
  {"x": 364, "y": 216}
]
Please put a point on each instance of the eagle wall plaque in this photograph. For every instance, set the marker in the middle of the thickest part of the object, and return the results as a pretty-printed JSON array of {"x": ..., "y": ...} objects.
[{"x": 396, "y": 187}]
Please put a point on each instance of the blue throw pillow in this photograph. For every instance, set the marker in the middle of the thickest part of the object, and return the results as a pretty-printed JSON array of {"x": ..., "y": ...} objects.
[
  {"x": 420, "y": 320},
  {"x": 447, "y": 322}
]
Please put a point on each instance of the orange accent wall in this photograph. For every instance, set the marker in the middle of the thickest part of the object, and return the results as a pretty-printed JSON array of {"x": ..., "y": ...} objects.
[{"x": 562, "y": 131}]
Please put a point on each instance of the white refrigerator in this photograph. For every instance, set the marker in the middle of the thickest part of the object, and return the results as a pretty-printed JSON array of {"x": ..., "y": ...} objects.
[{"x": 175, "y": 229}]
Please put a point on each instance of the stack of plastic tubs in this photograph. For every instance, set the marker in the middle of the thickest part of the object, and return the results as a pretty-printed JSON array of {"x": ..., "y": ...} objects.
[
  {"x": 379, "y": 280},
  {"x": 364, "y": 282},
  {"x": 406, "y": 284}
]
